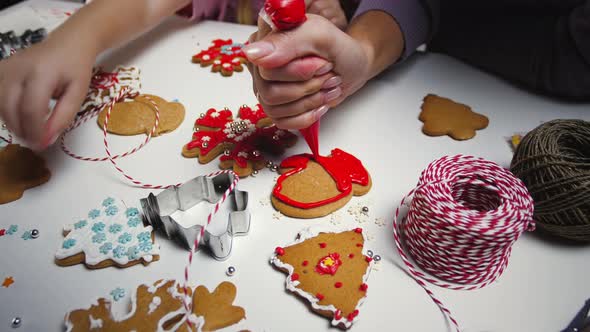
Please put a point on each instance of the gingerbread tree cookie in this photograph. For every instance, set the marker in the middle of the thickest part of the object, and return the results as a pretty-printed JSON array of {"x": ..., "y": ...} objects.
[
  {"x": 112, "y": 234},
  {"x": 442, "y": 116},
  {"x": 328, "y": 269},
  {"x": 105, "y": 86},
  {"x": 224, "y": 56},
  {"x": 160, "y": 308},
  {"x": 240, "y": 141},
  {"x": 138, "y": 116},
  {"x": 311, "y": 187},
  {"x": 20, "y": 169}
]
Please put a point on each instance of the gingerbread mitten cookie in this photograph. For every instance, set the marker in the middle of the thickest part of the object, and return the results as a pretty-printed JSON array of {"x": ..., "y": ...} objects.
[
  {"x": 328, "y": 269},
  {"x": 106, "y": 86},
  {"x": 311, "y": 188},
  {"x": 138, "y": 116}
]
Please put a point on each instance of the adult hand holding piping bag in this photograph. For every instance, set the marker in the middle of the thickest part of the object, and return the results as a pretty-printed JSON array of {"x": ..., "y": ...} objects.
[{"x": 300, "y": 72}]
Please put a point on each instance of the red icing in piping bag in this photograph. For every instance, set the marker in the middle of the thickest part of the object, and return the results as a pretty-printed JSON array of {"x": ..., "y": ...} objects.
[{"x": 286, "y": 15}]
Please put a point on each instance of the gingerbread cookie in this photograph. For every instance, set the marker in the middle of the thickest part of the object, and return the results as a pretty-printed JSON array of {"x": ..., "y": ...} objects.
[
  {"x": 110, "y": 235},
  {"x": 160, "y": 308},
  {"x": 311, "y": 188},
  {"x": 138, "y": 116},
  {"x": 225, "y": 56},
  {"x": 328, "y": 269},
  {"x": 20, "y": 169},
  {"x": 240, "y": 141},
  {"x": 442, "y": 116},
  {"x": 105, "y": 86}
]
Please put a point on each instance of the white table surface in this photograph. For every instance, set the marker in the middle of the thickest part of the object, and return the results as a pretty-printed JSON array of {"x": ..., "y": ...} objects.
[{"x": 545, "y": 284}]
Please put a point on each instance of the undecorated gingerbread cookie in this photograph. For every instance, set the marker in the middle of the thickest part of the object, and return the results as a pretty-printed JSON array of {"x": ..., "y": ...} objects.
[
  {"x": 138, "y": 116},
  {"x": 20, "y": 169},
  {"x": 160, "y": 307},
  {"x": 311, "y": 188},
  {"x": 112, "y": 234},
  {"x": 224, "y": 56},
  {"x": 329, "y": 269},
  {"x": 105, "y": 86},
  {"x": 240, "y": 141},
  {"x": 442, "y": 116}
]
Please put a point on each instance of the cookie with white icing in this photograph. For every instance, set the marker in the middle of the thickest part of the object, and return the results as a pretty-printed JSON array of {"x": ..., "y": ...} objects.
[
  {"x": 329, "y": 269},
  {"x": 112, "y": 234},
  {"x": 105, "y": 86}
]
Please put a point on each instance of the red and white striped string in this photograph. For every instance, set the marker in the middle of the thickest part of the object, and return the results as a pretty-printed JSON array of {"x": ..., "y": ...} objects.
[
  {"x": 7, "y": 139},
  {"x": 123, "y": 94},
  {"x": 465, "y": 215},
  {"x": 188, "y": 304}
]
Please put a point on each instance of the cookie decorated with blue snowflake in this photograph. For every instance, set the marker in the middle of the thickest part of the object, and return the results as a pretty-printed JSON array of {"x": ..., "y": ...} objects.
[{"x": 111, "y": 234}]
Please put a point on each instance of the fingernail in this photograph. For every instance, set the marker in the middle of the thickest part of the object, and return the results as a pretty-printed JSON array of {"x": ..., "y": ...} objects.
[
  {"x": 324, "y": 69},
  {"x": 318, "y": 113},
  {"x": 332, "y": 94},
  {"x": 332, "y": 82},
  {"x": 258, "y": 50}
]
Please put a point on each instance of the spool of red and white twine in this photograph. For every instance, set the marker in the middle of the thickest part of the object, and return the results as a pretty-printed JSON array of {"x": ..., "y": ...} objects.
[{"x": 465, "y": 215}]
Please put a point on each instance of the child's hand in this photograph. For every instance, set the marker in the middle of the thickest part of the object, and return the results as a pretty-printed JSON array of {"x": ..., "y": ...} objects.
[
  {"x": 298, "y": 74},
  {"x": 31, "y": 78},
  {"x": 329, "y": 9}
]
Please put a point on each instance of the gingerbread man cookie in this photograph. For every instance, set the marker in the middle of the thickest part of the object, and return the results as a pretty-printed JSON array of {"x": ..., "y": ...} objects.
[
  {"x": 442, "y": 116},
  {"x": 138, "y": 116},
  {"x": 240, "y": 141},
  {"x": 160, "y": 307},
  {"x": 20, "y": 169},
  {"x": 329, "y": 269},
  {"x": 314, "y": 187},
  {"x": 105, "y": 86},
  {"x": 112, "y": 234},
  {"x": 225, "y": 57}
]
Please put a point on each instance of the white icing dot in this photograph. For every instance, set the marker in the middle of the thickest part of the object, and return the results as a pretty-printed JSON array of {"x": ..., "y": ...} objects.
[
  {"x": 95, "y": 323},
  {"x": 156, "y": 301},
  {"x": 217, "y": 62},
  {"x": 206, "y": 57}
]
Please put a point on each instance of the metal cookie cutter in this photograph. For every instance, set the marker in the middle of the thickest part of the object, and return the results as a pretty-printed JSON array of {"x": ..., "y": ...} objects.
[{"x": 158, "y": 210}]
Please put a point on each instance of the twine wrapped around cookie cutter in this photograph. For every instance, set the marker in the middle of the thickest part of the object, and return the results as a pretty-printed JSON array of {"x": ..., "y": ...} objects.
[{"x": 158, "y": 210}]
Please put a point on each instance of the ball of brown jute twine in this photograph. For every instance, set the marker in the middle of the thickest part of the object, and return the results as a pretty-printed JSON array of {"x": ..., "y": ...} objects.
[{"x": 553, "y": 161}]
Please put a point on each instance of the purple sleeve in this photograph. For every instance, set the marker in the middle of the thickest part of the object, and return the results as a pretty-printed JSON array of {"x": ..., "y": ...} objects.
[{"x": 411, "y": 16}]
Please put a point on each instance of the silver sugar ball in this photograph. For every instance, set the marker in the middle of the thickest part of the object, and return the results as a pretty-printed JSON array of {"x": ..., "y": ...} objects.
[
  {"x": 377, "y": 258},
  {"x": 276, "y": 137},
  {"x": 254, "y": 172},
  {"x": 196, "y": 129},
  {"x": 202, "y": 115},
  {"x": 35, "y": 233},
  {"x": 205, "y": 144},
  {"x": 370, "y": 253},
  {"x": 269, "y": 164},
  {"x": 230, "y": 271},
  {"x": 16, "y": 322},
  {"x": 365, "y": 209},
  {"x": 226, "y": 152},
  {"x": 274, "y": 168},
  {"x": 256, "y": 153}
]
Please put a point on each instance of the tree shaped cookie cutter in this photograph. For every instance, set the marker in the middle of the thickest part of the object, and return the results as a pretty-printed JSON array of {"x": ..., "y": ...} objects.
[{"x": 158, "y": 210}]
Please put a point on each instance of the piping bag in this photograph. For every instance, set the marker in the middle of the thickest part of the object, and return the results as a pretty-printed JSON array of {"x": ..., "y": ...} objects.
[{"x": 283, "y": 15}]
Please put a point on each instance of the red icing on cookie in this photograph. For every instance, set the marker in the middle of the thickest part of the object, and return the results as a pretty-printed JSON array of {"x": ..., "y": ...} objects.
[
  {"x": 280, "y": 251},
  {"x": 344, "y": 168},
  {"x": 305, "y": 263},
  {"x": 364, "y": 287},
  {"x": 368, "y": 259},
  {"x": 338, "y": 314},
  {"x": 319, "y": 296},
  {"x": 294, "y": 277},
  {"x": 359, "y": 245},
  {"x": 323, "y": 245},
  {"x": 329, "y": 264},
  {"x": 351, "y": 256},
  {"x": 104, "y": 80},
  {"x": 338, "y": 284},
  {"x": 358, "y": 230},
  {"x": 352, "y": 315},
  {"x": 285, "y": 14}
]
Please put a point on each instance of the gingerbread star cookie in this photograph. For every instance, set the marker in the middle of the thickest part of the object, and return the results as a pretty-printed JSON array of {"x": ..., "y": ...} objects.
[
  {"x": 224, "y": 56},
  {"x": 329, "y": 269},
  {"x": 20, "y": 169},
  {"x": 138, "y": 116},
  {"x": 314, "y": 187},
  {"x": 240, "y": 141},
  {"x": 442, "y": 116},
  {"x": 160, "y": 307},
  {"x": 112, "y": 234}
]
